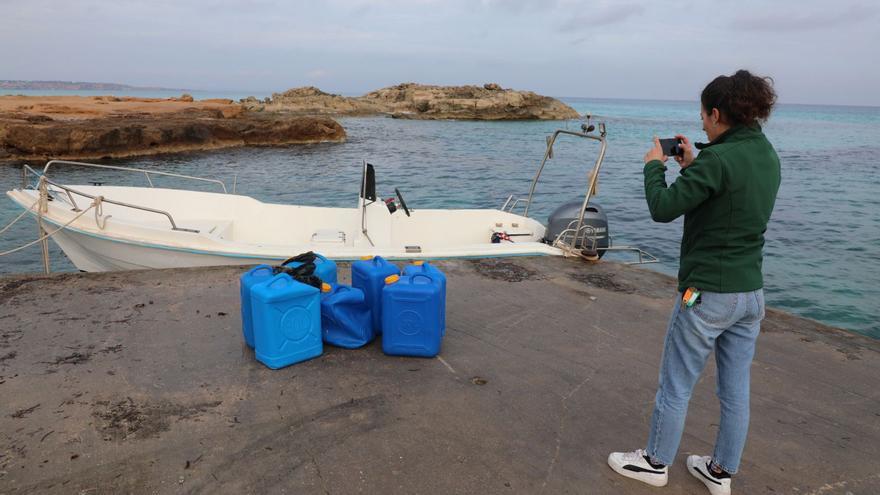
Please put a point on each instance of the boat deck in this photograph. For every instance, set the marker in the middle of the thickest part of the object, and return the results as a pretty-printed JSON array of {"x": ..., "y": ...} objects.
[{"x": 140, "y": 382}]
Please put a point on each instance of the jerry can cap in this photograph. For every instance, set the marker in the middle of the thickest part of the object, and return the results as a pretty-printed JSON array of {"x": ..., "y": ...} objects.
[
  {"x": 418, "y": 262},
  {"x": 390, "y": 279},
  {"x": 325, "y": 287},
  {"x": 366, "y": 258}
]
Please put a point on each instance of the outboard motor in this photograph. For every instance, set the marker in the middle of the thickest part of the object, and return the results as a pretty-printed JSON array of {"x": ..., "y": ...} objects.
[{"x": 565, "y": 217}]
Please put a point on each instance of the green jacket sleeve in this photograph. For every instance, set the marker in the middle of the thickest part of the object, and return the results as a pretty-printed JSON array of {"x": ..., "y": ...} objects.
[{"x": 698, "y": 182}]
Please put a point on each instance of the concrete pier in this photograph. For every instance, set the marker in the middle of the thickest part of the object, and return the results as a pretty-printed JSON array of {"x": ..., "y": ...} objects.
[{"x": 139, "y": 382}]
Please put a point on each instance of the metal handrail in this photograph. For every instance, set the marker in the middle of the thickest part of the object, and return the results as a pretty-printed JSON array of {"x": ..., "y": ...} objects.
[
  {"x": 594, "y": 175},
  {"x": 512, "y": 202},
  {"x": 71, "y": 191},
  {"x": 516, "y": 202},
  {"x": 130, "y": 169},
  {"x": 585, "y": 232},
  {"x": 642, "y": 254},
  {"x": 551, "y": 141}
]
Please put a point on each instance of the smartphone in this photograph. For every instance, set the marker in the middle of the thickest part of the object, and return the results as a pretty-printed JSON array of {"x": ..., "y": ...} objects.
[{"x": 671, "y": 147}]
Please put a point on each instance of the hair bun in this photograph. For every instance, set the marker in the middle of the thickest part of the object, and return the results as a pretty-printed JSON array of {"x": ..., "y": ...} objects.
[
  {"x": 742, "y": 98},
  {"x": 743, "y": 74}
]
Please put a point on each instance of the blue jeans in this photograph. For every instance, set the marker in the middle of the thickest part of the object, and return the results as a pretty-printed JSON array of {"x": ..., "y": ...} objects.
[{"x": 729, "y": 324}]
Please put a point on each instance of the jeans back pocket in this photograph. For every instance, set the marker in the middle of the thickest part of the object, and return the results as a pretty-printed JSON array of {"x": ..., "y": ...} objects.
[{"x": 716, "y": 308}]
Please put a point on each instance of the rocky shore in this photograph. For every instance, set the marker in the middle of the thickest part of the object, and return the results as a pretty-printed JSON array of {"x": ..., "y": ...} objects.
[
  {"x": 76, "y": 127},
  {"x": 419, "y": 101}
]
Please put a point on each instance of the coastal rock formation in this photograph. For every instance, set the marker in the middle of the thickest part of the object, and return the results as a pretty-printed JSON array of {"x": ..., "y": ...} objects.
[
  {"x": 310, "y": 100},
  {"x": 418, "y": 101},
  {"x": 489, "y": 102},
  {"x": 77, "y": 127},
  {"x": 73, "y": 127}
]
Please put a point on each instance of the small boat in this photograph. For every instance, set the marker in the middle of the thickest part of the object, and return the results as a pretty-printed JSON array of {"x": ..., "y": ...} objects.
[{"x": 104, "y": 227}]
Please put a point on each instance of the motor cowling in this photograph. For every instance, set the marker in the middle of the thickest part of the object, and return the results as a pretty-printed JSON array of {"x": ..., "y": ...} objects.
[{"x": 595, "y": 234}]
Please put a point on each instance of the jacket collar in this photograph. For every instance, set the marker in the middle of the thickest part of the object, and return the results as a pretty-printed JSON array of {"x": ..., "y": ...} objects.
[{"x": 733, "y": 134}]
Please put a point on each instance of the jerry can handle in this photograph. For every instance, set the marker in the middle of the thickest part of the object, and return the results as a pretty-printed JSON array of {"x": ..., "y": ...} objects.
[
  {"x": 356, "y": 295},
  {"x": 350, "y": 295},
  {"x": 425, "y": 275},
  {"x": 321, "y": 257},
  {"x": 281, "y": 276},
  {"x": 262, "y": 268}
]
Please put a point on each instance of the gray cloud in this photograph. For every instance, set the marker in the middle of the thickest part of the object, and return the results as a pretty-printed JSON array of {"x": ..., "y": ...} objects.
[
  {"x": 519, "y": 6},
  {"x": 602, "y": 17},
  {"x": 353, "y": 46},
  {"x": 792, "y": 20}
]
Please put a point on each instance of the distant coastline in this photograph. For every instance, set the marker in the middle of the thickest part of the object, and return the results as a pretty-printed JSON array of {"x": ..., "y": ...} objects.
[
  {"x": 76, "y": 88},
  {"x": 8, "y": 84}
]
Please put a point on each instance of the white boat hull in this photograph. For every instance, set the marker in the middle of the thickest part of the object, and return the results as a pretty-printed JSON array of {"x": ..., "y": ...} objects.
[{"x": 238, "y": 230}]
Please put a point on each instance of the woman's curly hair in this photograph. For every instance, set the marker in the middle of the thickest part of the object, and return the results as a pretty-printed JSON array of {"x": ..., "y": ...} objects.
[{"x": 742, "y": 99}]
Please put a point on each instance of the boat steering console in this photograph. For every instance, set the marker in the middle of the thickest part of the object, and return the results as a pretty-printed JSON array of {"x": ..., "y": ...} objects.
[
  {"x": 402, "y": 202},
  {"x": 392, "y": 206}
]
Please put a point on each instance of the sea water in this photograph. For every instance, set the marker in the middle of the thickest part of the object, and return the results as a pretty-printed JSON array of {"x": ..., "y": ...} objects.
[{"x": 822, "y": 256}]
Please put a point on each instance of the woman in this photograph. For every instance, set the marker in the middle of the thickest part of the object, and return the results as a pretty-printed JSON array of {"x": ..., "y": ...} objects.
[{"x": 726, "y": 195}]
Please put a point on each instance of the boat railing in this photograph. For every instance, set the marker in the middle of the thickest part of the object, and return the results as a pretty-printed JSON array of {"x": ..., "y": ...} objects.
[
  {"x": 584, "y": 237},
  {"x": 576, "y": 231},
  {"x": 578, "y": 238},
  {"x": 512, "y": 203},
  {"x": 587, "y": 240},
  {"x": 147, "y": 173},
  {"x": 70, "y": 192},
  {"x": 593, "y": 176}
]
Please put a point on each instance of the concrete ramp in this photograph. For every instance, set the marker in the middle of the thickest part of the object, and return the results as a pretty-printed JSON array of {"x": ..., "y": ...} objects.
[{"x": 139, "y": 382}]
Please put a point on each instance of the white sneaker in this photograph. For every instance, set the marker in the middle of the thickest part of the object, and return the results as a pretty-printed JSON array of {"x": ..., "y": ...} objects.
[
  {"x": 699, "y": 467},
  {"x": 634, "y": 465}
]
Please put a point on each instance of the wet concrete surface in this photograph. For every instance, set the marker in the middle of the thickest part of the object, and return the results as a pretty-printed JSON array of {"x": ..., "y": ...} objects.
[{"x": 139, "y": 382}]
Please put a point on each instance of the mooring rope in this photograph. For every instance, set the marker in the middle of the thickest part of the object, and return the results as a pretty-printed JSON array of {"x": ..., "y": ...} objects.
[
  {"x": 25, "y": 212},
  {"x": 50, "y": 234},
  {"x": 99, "y": 212}
]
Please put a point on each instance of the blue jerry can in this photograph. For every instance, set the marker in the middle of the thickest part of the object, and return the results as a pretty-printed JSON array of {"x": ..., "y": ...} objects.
[
  {"x": 346, "y": 320},
  {"x": 256, "y": 275},
  {"x": 368, "y": 275},
  {"x": 325, "y": 269},
  {"x": 426, "y": 268},
  {"x": 287, "y": 321},
  {"x": 411, "y": 316}
]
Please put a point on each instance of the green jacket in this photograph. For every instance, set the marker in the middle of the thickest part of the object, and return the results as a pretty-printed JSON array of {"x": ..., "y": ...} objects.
[{"x": 726, "y": 196}]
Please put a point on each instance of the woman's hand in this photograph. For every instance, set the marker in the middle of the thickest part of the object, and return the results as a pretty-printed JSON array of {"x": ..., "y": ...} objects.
[
  {"x": 688, "y": 157},
  {"x": 655, "y": 153}
]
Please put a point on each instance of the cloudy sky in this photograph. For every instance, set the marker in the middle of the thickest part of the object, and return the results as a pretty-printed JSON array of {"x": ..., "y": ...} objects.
[{"x": 817, "y": 51}]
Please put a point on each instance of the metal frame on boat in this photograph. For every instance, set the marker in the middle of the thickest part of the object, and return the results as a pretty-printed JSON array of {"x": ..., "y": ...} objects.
[{"x": 579, "y": 239}]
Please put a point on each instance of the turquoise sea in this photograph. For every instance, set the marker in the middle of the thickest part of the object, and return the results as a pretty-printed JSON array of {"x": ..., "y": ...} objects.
[{"x": 822, "y": 256}]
